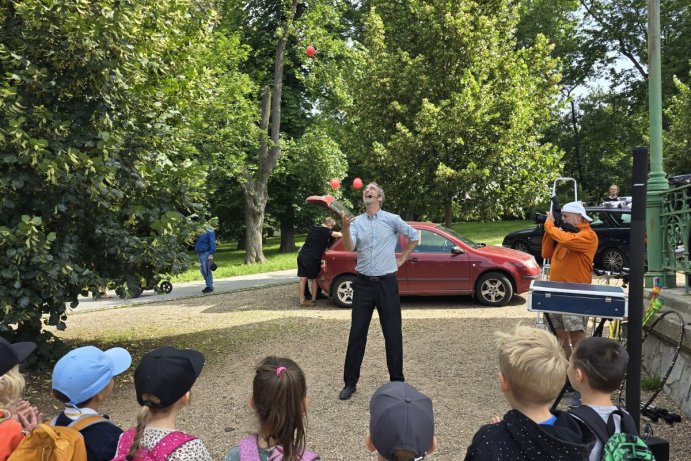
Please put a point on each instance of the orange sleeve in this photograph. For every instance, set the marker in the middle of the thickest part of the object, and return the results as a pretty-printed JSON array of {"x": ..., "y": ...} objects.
[
  {"x": 10, "y": 436},
  {"x": 580, "y": 241},
  {"x": 547, "y": 242}
]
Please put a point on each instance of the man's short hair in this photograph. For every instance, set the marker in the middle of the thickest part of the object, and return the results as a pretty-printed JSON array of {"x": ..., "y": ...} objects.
[
  {"x": 380, "y": 192},
  {"x": 329, "y": 221},
  {"x": 533, "y": 363},
  {"x": 604, "y": 362}
]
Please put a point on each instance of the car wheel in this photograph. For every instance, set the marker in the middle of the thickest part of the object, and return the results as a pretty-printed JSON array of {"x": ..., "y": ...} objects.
[
  {"x": 612, "y": 259},
  {"x": 166, "y": 287},
  {"x": 493, "y": 289},
  {"x": 521, "y": 245},
  {"x": 342, "y": 292}
]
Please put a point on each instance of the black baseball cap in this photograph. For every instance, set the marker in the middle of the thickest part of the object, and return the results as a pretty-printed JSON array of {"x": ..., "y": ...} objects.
[
  {"x": 167, "y": 373},
  {"x": 13, "y": 354},
  {"x": 401, "y": 418}
]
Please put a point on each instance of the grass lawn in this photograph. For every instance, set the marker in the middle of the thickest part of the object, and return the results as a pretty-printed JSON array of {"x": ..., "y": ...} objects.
[{"x": 230, "y": 261}]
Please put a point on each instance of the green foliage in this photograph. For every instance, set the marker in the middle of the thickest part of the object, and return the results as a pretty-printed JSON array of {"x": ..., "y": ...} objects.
[
  {"x": 446, "y": 101},
  {"x": 97, "y": 176},
  {"x": 678, "y": 139},
  {"x": 651, "y": 383}
]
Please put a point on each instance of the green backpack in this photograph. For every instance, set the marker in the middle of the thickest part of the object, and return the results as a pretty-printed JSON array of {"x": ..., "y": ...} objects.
[{"x": 617, "y": 446}]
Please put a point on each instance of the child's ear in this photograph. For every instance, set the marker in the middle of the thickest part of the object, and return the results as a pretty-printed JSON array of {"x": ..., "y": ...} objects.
[
  {"x": 187, "y": 397},
  {"x": 252, "y": 404},
  {"x": 580, "y": 376},
  {"x": 305, "y": 404},
  {"x": 368, "y": 443},
  {"x": 504, "y": 384}
]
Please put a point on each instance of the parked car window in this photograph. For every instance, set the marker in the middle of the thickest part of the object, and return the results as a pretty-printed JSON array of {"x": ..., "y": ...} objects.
[
  {"x": 465, "y": 240},
  {"x": 431, "y": 242},
  {"x": 622, "y": 219},
  {"x": 598, "y": 220}
]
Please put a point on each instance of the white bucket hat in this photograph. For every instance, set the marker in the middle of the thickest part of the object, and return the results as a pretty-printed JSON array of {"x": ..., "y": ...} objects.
[{"x": 575, "y": 207}]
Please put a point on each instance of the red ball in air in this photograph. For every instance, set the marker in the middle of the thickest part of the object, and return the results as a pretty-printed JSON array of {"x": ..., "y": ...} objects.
[
  {"x": 357, "y": 183},
  {"x": 335, "y": 183},
  {"x": 310, "y": 51}
]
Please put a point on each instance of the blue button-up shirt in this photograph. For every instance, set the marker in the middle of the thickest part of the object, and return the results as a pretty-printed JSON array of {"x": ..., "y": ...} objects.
[{"x": 375, "y": 238}]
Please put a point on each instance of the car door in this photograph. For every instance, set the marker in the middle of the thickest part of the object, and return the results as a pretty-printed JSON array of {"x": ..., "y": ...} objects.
[{"x": 434, "y": 268}]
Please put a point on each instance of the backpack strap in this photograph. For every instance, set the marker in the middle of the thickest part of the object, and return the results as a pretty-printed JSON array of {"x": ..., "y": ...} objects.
[
  {"x": 628, "y": 425},
  {"x": 85, "y": 421},
  {"x": 593, "y": 420},
  {"x": 249, "y": 450},
  {"x": 168, "y": 444},
  {"x": 125, "y": 443}
]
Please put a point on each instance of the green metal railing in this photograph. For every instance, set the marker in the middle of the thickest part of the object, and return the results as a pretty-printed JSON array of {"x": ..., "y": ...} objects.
[{"x": 676, "y": 230}]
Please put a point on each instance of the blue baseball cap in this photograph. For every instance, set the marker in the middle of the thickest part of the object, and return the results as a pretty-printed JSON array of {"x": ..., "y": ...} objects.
[{"x": 84, "y": 372}]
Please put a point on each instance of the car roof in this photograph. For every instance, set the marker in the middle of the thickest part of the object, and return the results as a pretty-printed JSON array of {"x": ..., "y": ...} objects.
[{"x": 608, "y": 209}]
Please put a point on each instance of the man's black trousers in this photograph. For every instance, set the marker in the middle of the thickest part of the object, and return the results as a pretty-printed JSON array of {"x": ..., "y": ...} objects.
[{"x": 382, "y": 293}]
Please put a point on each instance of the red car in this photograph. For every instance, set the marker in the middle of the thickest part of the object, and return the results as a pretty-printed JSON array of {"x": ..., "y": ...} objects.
[{"x": 443, "y": 263}]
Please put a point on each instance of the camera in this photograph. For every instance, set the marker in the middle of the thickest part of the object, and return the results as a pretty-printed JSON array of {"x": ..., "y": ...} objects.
[{"x": 540, "y": 218}]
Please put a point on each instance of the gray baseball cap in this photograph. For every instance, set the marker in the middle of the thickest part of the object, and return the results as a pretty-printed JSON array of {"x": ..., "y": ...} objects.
[{"x": 401, "y": 418}]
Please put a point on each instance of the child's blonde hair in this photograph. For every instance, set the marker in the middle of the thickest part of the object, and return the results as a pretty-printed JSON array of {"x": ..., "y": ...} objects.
[
  {"x": 11, "y": 385},
  {"x": 533, "y": 363}
]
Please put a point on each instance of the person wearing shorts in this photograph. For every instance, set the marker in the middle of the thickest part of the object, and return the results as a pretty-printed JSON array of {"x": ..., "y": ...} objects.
[
  {"x": 571, "y": 256},
  {"x": 309, "y": 257}
]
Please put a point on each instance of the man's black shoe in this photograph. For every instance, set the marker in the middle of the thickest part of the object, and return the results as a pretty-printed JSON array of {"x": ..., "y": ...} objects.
[
  {"x": 207, "y": 290},
  {"x": 347, "y": 392}
]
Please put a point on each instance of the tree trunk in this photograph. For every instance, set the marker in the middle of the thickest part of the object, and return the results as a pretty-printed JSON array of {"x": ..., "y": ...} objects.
[
  {"x": 448, "y": 214},
  {"x": 576, "y": 142},
  {"x": 287, "y": 237},
  {"x": 255, "y": 186}
]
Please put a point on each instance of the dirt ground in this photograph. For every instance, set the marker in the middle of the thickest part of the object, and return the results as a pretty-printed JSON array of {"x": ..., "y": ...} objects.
[{"x": 448, "y": 354}]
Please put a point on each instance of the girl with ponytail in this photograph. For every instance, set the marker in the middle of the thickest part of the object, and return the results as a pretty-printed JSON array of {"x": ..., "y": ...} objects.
[
  {"x": 279, "y": 397},
  {"x": 163, "y": 381}
]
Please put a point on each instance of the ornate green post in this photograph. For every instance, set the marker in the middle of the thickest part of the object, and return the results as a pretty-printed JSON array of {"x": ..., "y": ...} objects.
[{"x": 657, "y": 182}]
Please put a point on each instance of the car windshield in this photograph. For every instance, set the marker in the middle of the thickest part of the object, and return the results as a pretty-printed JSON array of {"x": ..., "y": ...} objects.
[{"x": 465, "y": 240}]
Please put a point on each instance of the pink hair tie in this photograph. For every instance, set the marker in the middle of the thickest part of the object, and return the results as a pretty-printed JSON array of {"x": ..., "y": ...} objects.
[{"x": 279, "y": 370}]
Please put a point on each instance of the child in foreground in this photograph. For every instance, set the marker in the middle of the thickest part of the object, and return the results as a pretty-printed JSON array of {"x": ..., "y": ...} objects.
[
  {"x": 163, "y": 381},
  {"x": 532, "y": 370},
  {"x": 597, "y": 368},
  {"x": 83, "y": 379},
  {"x": 17, "y": 417},
  {"x": 279, "y": 397},
  {"x": 401, "y": 424}
]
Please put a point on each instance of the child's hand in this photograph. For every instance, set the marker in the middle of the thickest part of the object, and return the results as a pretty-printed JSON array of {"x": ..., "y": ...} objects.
[
  {"x": 495, "y": 419},
  {"x": 18, "y": 406},
  {"x": 30, "y": 419}
]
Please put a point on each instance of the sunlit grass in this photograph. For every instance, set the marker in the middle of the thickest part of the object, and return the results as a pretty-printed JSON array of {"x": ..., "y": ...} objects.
[{"x": 231, "y": 261}]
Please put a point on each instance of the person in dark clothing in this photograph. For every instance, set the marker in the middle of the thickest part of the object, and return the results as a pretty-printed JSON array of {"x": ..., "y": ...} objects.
[
  {"x": 82, "y": 379},
  {"x": 532, "y": 369},
  {"x": 613, "y": 194},
  {"x": 309, "y": 257},
  {"x": 517, "y": 437}
]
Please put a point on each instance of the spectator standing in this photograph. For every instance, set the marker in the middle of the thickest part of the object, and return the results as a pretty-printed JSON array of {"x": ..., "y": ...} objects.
[
  {"x": 401, "y": 424},
  {"x": 163, "y": 381},
  {"x": 206, "y": 247},
  {"x": 309, "y": 257},
  {"x": 17, "y": 417},
  {"x": 613, "y": 194},
  {"x": 279, "y": 397},
  {"x": 571, "y": 260},
  {"x": 532, "y": 370},
  {"x": 596, "y": 369},
  {"x": 83, "y": 379},
  {"x": 374, "y": 235}
]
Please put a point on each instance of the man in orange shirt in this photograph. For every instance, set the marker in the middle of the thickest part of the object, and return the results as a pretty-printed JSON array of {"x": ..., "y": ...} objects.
[{"x": 571, "y": 256}]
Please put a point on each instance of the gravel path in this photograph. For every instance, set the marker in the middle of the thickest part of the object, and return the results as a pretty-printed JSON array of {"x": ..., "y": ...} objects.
[{"x": 449, "y": 355}]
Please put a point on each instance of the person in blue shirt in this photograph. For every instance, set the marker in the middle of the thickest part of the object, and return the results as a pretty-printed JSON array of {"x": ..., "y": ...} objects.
[
  {"x": 374, "y": 235},
  {"x": 206, "y": 247}
]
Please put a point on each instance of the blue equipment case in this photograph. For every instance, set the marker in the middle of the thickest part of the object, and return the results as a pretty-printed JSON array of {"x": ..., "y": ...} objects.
[{"x": 578, "y": 299}]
